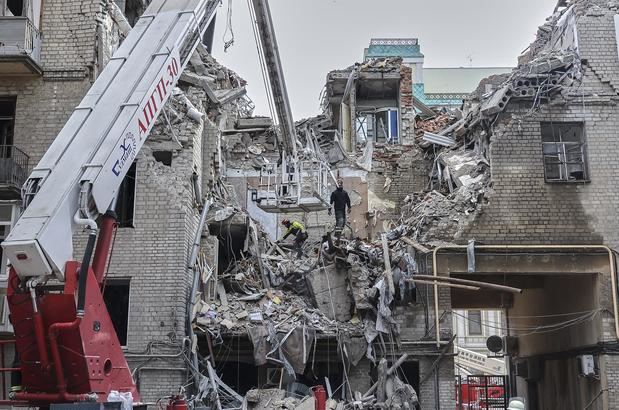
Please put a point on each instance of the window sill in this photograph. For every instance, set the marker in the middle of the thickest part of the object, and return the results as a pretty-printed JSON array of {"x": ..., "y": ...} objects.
[{"x": 571, "y": 182}]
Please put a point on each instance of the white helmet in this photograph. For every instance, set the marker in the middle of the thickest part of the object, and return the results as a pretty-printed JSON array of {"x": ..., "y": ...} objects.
[{"x": 516, "y": 403}]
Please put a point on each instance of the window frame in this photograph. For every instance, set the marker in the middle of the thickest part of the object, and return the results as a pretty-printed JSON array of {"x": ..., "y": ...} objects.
[
  {"x": 562, "y": 152},
  {"x": 15, "y": 211},
  {"x": 480, "y": 323},
  {"x": 367, "y": 121},
  {"x": 120, "y": 197},
  {"x": 10, "y": 137}
]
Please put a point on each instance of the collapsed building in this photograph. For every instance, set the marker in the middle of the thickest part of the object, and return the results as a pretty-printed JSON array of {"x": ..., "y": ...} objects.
[
  {"x": 514, "y": 189},
  {"x": 502, "y": 192}
]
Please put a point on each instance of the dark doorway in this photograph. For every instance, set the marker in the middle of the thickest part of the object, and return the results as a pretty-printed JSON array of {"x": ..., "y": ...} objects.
[{"x": 116, "y": 297}]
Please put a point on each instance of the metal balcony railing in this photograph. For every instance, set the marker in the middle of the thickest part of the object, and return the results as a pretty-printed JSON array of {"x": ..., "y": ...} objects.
[
  {"x": 13, "y": 167},
  {"x": 20, "y": 41}
]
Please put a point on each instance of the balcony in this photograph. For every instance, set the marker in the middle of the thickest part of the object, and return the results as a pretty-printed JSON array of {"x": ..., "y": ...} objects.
[
  {"x": 20, "y": 47},
  {"x": 13, "y": 171}
]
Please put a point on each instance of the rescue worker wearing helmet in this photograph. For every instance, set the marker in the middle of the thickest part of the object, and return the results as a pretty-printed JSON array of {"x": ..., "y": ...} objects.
[{"x": 297, "y": 229}]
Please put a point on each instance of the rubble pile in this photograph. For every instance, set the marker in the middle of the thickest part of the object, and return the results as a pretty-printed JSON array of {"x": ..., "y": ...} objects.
[
  {"x": 286, "y": 309},
  {"x": 337, "y": 289}
]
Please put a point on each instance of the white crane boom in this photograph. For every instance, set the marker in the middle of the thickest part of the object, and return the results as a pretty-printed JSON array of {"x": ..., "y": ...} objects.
[
  {"x": 80, "y": 174},
  {"x": 275, "y": 72}
]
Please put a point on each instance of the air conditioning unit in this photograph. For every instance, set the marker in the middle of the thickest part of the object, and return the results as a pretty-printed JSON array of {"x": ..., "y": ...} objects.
[
  {"x": 587, "y": 365},
  {"x": 510, "y": 345}
]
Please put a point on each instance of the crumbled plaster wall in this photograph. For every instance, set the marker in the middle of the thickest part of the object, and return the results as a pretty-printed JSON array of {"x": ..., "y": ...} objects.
[{"x": 407, "y": 111}]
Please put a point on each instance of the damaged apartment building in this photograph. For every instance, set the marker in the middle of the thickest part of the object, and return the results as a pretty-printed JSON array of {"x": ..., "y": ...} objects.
[
  {"x": 512, "y": 192},
  {"x": 50, "y": 54}
]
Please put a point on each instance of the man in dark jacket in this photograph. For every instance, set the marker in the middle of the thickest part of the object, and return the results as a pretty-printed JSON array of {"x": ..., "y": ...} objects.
[{"x": 340, "y": 201}]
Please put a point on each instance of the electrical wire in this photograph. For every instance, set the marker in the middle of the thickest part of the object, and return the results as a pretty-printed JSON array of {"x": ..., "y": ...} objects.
[{"x": 530, "y": 330}]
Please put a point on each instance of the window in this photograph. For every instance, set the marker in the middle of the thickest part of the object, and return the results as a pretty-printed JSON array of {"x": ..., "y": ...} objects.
[
  {"x": 116, "y": 297},
  {"x": 125, "y": 202},
  {"x": 381, "y": 125},
  {"x": 8, "y": 215},
  {"x": 15, "y": 7},
  {"x": 165, "y": 157},
  {"x": 563, "y": 147},
  {"x": 474, "y": 323},
  {"x": 7, "y": 121}
]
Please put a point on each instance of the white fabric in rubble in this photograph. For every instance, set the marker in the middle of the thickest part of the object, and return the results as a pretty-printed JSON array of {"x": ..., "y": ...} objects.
[
  {"x": 383, "y": 317},
  {"x": 125, "y": 398}
]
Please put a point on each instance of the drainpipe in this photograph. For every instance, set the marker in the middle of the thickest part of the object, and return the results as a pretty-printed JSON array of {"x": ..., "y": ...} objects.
[
  {"x": 194, "y": 287},
  {"x": 611, "y": 261}
]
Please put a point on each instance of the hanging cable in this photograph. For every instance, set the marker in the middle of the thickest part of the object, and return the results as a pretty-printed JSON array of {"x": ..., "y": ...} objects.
[{"x": 228, "y": 43}]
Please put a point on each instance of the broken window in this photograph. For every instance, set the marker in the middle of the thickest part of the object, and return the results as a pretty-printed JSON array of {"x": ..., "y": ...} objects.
[
  {"x": 474, "y": 323},
  {"x": 116, "y": 297},
  {"x": 387, "y": 126},
  {"x": 125, "y": 202},
  {"x": 165, "y": 157},
  {"x": 133, "y": 10},
  {"x": 7, "y": 122},
  {"x": 563, "y": 147},
  {"x": 381, "y": 125}
]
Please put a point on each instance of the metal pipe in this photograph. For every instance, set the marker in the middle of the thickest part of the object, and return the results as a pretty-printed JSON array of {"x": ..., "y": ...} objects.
[
  {"x": 39, "y": 329},
  {"x": 54, "y": 331},
  {"x": 446, "y": 284},
  {"x": 104, "y": 243},
  {"x": 52, "y": 397},
  {"x": 91, "y": 223},
  {"x": 193, "y": 257},
  {"x": 540, "y": 247},
  {"x": 474, "y": 283},
  {"x": 83, "y": 273}
]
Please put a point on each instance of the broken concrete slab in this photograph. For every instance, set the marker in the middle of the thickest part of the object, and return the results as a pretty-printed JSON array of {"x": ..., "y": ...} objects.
[
  {"x": 328, "y": 287},
  {"x": 309, "y": 403},
  {"x": 254, "y": 122}
]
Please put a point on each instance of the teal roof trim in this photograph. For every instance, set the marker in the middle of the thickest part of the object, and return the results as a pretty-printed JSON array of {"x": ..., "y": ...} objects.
[{"x": 393, "y": 50}]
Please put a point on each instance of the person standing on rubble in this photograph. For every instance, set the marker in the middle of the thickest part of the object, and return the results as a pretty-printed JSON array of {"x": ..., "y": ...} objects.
[
  {"x": 340, "y": 201},
  {"x": 297, "y": 229}
]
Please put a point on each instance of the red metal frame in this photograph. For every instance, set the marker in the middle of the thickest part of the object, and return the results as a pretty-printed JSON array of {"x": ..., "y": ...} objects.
[{"x": 86, "y": 356}]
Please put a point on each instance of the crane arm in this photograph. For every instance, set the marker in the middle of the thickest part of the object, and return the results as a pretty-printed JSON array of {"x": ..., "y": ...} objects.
[
  {"x": 275, "y": 72},
  {"x": 80, "y": 174}
]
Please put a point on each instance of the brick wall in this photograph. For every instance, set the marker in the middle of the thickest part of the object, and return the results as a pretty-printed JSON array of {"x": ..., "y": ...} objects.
[
  {"x": 524, "y": 208},
  {"x": 407, "y": 111},
  {"x": 153, "y": 254}
]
